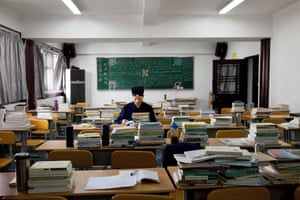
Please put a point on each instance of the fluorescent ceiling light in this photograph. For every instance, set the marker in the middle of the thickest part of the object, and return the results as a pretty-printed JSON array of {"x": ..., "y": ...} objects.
[
  {"x": 230, "y": 6},
  {"x": 71, "y": 5}
]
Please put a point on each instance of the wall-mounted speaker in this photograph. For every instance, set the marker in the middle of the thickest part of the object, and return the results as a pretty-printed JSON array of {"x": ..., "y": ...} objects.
[
  {"x": 221, "y": 50},
  {"x": 69, "y": 50}
]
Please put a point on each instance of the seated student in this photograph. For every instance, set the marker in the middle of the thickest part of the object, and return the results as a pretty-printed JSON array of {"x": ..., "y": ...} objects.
[{"x": 137, "y": 105}]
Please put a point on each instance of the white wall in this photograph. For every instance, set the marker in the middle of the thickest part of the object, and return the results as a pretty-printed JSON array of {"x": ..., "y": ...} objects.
[
  {"x": 284, "y": 85},
  {"x": 203, "y": 53}
]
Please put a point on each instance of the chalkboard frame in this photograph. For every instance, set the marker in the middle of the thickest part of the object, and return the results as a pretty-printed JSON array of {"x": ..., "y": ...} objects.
[{"x": 114, "y": 73}]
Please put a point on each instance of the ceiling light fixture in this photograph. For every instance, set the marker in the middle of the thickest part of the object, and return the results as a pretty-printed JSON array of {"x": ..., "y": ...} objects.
[
  {"x": 71, "y": 5},
  {"x": 230, "y": 6}
]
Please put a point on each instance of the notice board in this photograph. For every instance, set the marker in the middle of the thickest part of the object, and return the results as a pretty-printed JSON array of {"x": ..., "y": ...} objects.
[{"x": 150, "y": 72}]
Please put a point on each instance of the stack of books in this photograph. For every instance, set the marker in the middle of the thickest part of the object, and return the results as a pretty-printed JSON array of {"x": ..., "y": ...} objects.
[
  {"x": 44, "y": 112},
  {"x": 150, "y": 133},
  {"x": 266, "y": 133},
  {"x": 15, "y": 120},
  {"x": 123, "y": 136},
  {"x": 237, "y": 107},
  {"x": 179, "y": 120},
  {"x": 206, "y": 113},
  {"x": 286, "y": 168},
  {"x": 260, "y": 112},
  {"x": 219, "y": 164},
  {"x": 108, "y": 111},
  {"x": 172, "y": 111},
  {"x": 194, "y": 132},
  {"x": 220, "y": 120},
  {"x": 140, "y": 117},
  {"x": 88, "y": 140},
  {"x": 50, "y": 176}
]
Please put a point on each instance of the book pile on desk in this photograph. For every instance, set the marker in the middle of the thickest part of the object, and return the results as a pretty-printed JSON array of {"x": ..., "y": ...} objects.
[
  {"x": 123, "y": 136},
  {"x": 194, "y": 132},
  {"x": 171, "y": 111},
  {"x": 179, "y": 120},
  {"x": 50, "y": 176},
  {"x": 260, "y": 112},
  {"x": 44, "y": 112},
  {"x": 237, "y": 107},
  {"x": 286, "y": 168},
  {"x": 108, "y": 111},
  {"x": 89, "y": 140},
  {"x": 15, "y": 120},
  {"x": 266, "y": 133},
  {"x": 150, "y": 133},
  {"x": 220, "y": 120},
  {"x": 206, "y": 113},
  {"x": 219, "y": 164},
  {"x": 140, "y": 117}
]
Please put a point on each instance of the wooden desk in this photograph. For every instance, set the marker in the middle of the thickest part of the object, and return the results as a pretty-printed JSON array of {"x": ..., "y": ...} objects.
[
  {"x": 81, "y": 177},
  {"x": 191, "y": 192},
  {"x": 101, "y": 154}
]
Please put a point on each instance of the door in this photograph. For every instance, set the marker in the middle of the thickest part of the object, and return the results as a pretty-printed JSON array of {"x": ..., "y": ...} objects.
[{"x": 229, "y": 82}]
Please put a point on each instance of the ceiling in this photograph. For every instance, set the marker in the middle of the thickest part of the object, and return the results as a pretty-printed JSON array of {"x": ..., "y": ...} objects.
[
  {"x": 146, "y": 8},
  {"x": 148, "y": 11}
]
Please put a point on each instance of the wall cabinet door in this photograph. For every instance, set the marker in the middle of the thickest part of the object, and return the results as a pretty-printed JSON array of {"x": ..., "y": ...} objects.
[{"x": 229, "y": 82}]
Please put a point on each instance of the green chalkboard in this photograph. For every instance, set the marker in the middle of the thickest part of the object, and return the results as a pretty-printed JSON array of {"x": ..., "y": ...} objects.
[{"x": 150, "y": 72}]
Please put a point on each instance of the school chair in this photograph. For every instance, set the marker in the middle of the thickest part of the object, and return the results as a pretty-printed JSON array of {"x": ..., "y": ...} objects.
[
  {"x": 239, "y": 193},
  {"x": 80, "y": 158},
  {"x": 230, "y": 133},
  {"x": 297, "y": 193},
  {"x": 40, "y": 127},
  {"x": 206, "y": 120},
  {"x": 8, "y": 138},
  {"x": 274, "y": 120},
  {"x": 226, "y": 110},
  {"x": 142, "y": 197},
  {"x": 130, "y": 159}
]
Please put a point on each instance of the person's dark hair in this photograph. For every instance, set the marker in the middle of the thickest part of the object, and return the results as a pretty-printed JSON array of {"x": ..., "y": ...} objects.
[{"x": 137, "y": 91}]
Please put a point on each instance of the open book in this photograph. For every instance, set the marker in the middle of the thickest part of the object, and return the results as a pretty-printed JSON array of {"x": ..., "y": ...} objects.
[{"x": 125, "y": 178}]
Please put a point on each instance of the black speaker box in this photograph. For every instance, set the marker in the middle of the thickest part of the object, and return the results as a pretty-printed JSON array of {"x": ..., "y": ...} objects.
[
  {"x": 69, "y": 50},
  {"x": 221, "y": 50}
]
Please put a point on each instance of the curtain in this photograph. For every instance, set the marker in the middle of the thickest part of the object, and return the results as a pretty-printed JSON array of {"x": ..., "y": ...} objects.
[
  {"x": 54, "y": 66},
  {"x": 264, "y": 72},
  {"x": 12, "y": 68}
]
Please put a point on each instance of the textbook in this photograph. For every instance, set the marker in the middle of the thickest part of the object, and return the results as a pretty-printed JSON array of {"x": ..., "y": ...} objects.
[
  {"x": 50, "y": 168},
  {"x": 125, "y": 178}
]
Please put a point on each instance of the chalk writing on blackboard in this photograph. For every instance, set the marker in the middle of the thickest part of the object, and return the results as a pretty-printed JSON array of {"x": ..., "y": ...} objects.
[{"x": 150, "y": 72}]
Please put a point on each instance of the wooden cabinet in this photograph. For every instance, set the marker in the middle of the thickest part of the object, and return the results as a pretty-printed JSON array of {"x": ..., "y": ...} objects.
[{"x": 229, "y": 82}]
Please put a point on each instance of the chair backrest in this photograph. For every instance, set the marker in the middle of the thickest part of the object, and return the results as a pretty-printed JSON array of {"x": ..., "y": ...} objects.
[
  {"x": 35, "y": 197},
  {"x": 274, "y": 120},
  {"x": 226, "y": 110},
  {"x": 206, "y": 120},
  {"x": 239, "y": 193},
  {"x": 130, "y": 159},
  {"x": 7, "y": 137},
  {"x": 40, "y": 124},
  {"x": 297, "y": 193},
  {"x": 230, "y": 133},
  {"x": 142, "y": 197},
  {"x": 79, "y": 158}
]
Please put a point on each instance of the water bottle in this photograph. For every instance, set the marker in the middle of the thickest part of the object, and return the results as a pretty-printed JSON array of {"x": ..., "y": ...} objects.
[
  {"x": 105, "y": 134},
  {"x": 22, "y": 170},
  {"x": 69, "y": 136},
  {"x": 55, "y": 105},
  {"x": 174, "y": 134}
]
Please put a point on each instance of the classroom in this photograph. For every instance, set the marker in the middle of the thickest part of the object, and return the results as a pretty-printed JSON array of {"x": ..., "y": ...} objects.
[{"x": 142, "y": 29}]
